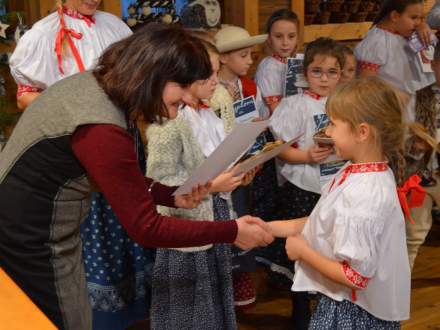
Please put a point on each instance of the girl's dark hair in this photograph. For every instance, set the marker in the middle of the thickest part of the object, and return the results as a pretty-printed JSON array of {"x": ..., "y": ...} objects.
[
  {"x": 282, "y": 15},
  {"x": 324, "y": 47},
  {"x": 393, "y": 5},
  {"x": 133, "y": 72}
]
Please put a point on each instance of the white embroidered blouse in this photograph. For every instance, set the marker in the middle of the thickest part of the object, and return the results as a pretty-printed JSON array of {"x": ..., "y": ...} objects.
[{"x": 359, "y": 221}]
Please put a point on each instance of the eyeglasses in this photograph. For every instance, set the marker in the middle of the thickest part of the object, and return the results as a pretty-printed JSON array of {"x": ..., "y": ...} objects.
[{"x": 331, "y": 74}]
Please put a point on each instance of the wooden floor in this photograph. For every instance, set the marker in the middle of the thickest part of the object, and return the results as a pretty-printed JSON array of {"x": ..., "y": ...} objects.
[{"x": 273, "y": 307}]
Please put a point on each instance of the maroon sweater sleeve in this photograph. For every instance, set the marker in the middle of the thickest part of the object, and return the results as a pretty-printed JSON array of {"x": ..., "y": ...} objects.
[
  {"x": 162, "y": 195},
  {"x": 108, "y": 155}
]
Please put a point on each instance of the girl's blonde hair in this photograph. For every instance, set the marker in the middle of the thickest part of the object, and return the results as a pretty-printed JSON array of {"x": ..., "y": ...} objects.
[{"x": 374, "y": 102}]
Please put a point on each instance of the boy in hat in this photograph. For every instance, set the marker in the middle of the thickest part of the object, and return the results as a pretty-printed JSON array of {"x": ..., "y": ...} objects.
[{"x": 235, "y": 46}]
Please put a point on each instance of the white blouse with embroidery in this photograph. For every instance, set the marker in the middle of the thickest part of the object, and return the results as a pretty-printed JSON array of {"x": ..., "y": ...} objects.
[
  {"x": 389, "y": 55},
  {"x": 360, "y": 222},
  {"x": 34, "y": 63},
  {"x": 303, "y": 114},
  {"x": 270, "y": 78}
]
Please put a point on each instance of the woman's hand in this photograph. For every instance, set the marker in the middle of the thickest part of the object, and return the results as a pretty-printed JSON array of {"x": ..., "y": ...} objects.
[
  {"x": 318, "y": 154},
  {"x": 252, "y": 232},
  {"x": 226, "y": 182},
  {"x": 295, "y": 246},
  {"x": 193, "y": 199}
]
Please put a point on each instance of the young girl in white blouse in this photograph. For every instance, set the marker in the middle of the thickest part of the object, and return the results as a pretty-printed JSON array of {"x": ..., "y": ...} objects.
[
  {"x": 385, "y": 52},
  {"x": 307, "y": 166},
  {"x": 282, "y": 28},
  {"x": 352, "y": 249}
]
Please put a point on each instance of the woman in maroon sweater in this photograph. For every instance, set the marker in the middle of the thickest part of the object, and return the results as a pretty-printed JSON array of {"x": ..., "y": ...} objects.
[{"x": 73, "y": 137}]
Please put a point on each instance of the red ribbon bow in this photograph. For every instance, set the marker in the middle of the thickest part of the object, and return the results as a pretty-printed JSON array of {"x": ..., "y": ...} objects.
[
  {"x": 64, "y": 32},
  {"x": 417, "y": 195}
]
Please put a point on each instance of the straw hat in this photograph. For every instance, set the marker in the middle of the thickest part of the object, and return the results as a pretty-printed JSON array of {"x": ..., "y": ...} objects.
[{"x": 231, "y": 38}]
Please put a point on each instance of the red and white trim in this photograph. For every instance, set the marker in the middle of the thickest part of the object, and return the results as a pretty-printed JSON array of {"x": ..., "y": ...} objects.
[
  {"x": 272, "y": 99},
  {"x": 355, "y": 278},
  {"x": 313, "y": 95},
  {"x": 363, "y": 65},
  {"x": 360, "y": 168},
  {"x": 23, "y": 89},
  {"x": 279, "y": 58}
]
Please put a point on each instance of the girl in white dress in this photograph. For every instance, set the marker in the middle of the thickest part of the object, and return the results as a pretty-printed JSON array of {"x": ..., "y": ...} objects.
[
  {"x": 384, "y": 51},
  {"x": 282, "y": 28},
  {"x": 352, "y": 249},
  {"x": 306, "y": 166}
]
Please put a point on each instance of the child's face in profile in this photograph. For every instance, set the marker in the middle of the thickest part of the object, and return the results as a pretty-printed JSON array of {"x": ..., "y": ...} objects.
[
  {"x": 435, "y": 65},
  {"x": 323, "y": 74},
  {"x": 204, "y": 89},
  {"x": 343, "y": 138},
  {"x": 349, "y": 71},
  {"x": 407, "y": 22},
  {"x": 283, "y": 38},
  {"x": 238, "y": 61}
]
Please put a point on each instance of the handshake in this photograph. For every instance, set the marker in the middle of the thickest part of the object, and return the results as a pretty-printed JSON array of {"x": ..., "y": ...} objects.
[{"x": 252, "y": 232}]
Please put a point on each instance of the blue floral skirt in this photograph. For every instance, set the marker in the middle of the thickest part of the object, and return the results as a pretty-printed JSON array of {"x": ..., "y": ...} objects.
[{"x": 344, "y": 315}]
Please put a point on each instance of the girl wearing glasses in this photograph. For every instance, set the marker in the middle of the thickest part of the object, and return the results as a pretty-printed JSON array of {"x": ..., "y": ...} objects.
[{"x": 306, "y": 166}]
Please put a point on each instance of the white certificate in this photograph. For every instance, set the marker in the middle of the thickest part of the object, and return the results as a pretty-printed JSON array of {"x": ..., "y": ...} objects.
[{"x": 233, "y": 147}]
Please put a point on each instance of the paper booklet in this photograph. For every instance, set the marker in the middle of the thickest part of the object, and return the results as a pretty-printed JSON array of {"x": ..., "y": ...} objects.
[
  {"x": 295, "y": 81},
  {"x": 245, "y": 111},
  {"x": 233, "y": 147},
  {"x": 268, "y": 152}
]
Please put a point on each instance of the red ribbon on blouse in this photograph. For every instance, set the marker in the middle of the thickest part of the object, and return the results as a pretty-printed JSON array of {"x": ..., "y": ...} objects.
[
  {"x": 67, "y": 33},
  {"x": 416, "y": 195}
]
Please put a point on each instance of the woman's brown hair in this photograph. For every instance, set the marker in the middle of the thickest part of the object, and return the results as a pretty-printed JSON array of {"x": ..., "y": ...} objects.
[
  {"x": 372, "y": 101},
  {"x": 133, "y": 72}
]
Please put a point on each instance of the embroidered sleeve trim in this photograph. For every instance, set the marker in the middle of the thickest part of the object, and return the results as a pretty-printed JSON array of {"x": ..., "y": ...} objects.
[
  {"x": 368, "y": 66},
  {"x": 23, "y": 89},
  {"x": 354, "y": 277},
  {"x": 272, "y": 99}
]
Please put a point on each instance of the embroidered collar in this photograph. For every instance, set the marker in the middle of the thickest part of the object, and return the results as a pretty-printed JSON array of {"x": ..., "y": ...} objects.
[
  {"x": 279, "y": 58},
  {"x": 360, "y": 168},
  {"x": 76, "y": 14},
  {"x": 313, "y": 95},
  {"x": 203, "y": 106}
]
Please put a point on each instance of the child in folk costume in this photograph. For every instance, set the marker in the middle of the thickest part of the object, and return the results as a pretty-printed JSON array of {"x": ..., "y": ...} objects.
[
  {"x": 192, "y": 287},
  {"x": 307, "y": 166},
  {"x": 351, "y": 249},
  {"x": 349, "y": 70},
  {"x": 282, "y": 28},
  {"x": 384, "y": 51},
  {"x": 421, "y": 160},
  {"x": 235, "y": 46},
  {"x": 66, "y": 42}
]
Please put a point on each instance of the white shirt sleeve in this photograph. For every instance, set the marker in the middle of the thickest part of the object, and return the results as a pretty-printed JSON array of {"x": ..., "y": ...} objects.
[
  {"x": 373, "y": 49},
  {"x": 31, "y": 62},
  {"x": 288, "y": 121},
  {"x": 360, "y": 214},
  {"x": 269, "y": 79}
]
